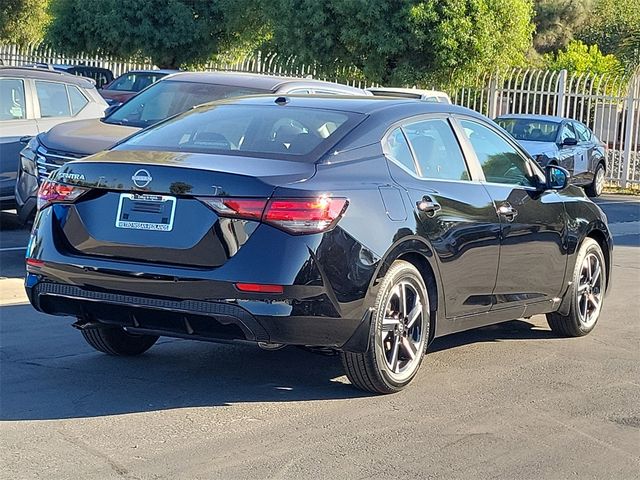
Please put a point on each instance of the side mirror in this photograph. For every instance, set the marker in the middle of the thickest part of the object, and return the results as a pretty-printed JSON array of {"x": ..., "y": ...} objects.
[
  {"x": 557, "y": 178},
  {"x": 111, "y": 108},
  {"x": 569, "y": 142}
]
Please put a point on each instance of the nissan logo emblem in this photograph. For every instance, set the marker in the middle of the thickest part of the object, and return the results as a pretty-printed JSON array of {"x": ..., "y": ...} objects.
[{"x": 141, "y": 178}]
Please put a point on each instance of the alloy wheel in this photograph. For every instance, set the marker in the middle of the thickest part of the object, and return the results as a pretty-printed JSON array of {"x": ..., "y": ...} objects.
[
  {"x": 402, "y": 333},
  {"x": 590, "y": 290}
]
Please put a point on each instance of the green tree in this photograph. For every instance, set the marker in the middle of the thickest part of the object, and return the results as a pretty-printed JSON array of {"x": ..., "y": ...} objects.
[
  {"x": 171, "y": 33},
  {"x": 23, "y": 21},
  {"x": 615, "y": 28},
  {"x": 402, "y": 41},
  {"x": 581, "y": 58},
  {"x": 557, "y": 21}
]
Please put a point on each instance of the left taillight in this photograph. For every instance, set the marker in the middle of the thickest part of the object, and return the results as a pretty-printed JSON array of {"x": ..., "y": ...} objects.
[{"x": 53, "y": 192}]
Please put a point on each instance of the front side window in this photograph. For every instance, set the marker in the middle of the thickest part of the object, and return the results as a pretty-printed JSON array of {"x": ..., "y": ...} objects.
[
  {"x": 437, "y": 151},
  {"x": 584, "y": 135},
  {"x": 567, "y": 133},
  {"x": 500, "y": 161},
  {"x": 397, "y": 148},
  {"x": 53, "y": 99},
  {"x": 12, "y": 100},
  {"x": 78, "y": 100},
  {"x": 248, "y": 130}
]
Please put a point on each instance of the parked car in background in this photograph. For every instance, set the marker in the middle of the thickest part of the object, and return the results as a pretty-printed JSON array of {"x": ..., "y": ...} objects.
[
  {"x": 169, "y": 96},
  {"x": 33, "y": 100},
  {"x": 426, "y": 95},
  {"x": 127, "y": 85},
  {"x": 102, "y": 76},
  {"x": 364, "y": 225},
  {"x": 561, "y": 141}
]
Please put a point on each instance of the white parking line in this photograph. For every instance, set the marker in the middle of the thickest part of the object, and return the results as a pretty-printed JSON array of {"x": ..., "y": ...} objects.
[{"x": 12, "y": 249}]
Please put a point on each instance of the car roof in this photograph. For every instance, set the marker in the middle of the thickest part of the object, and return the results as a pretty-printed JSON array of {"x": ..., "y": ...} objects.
[
  {"x": 544, "y": 118},
  {"x": 45, "y": 74},
  {"x": 151, "y": 71},
  {"x": 394, "y": 107},
  {"x": 255, "y": 80},
  {"x": 412, "y": 91}
]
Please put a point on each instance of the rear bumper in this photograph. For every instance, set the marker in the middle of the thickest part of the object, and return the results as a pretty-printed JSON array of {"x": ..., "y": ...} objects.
[{"x": 253, "y": 320}]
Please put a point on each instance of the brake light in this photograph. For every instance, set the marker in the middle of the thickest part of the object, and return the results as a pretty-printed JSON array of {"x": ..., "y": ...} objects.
[
  {"x": 53, "y": 192},
  {"x": 295, "y": 215},
  {"x": 248, "y": 208},
  {"x": 305, "y": 215}
]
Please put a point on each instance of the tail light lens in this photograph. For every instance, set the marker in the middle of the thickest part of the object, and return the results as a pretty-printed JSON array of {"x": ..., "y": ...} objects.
[
  {"x": 304, "y": 215},
  {"x": 295, "y": 215},
  {"x": 53, "y": 192}
]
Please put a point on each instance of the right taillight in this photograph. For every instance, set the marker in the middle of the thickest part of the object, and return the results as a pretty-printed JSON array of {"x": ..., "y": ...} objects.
[
  {"x": 295, "y": 215},
  {"x": 53, "y": 192}
]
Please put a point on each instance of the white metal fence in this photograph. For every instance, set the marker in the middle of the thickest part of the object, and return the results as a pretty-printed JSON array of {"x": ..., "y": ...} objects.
[{"x": 609, "y": 105}]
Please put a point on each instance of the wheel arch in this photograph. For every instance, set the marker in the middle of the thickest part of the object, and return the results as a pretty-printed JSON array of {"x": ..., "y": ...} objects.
[{"x": 420, "y": 254}]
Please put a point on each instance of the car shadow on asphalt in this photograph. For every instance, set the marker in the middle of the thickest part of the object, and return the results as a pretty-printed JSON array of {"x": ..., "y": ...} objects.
[
  {"x": 48, "y": 372},
  {"x": 513, "y": 330}
]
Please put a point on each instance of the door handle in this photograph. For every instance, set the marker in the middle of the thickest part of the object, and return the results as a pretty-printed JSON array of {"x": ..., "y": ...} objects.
[
  {"x": 429, "y": 206},
  {"x": 507, "y": 211}
]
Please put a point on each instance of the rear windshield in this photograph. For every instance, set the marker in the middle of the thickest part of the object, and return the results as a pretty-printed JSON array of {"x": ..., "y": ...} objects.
[
  {"x": 167, "y": 98},
  {"x": 530, "y": 130},
  {"x": 253, "y": 130}
]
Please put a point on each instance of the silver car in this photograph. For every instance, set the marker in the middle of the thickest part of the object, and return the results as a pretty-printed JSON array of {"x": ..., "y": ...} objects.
[{"x": 33, "y": 100}]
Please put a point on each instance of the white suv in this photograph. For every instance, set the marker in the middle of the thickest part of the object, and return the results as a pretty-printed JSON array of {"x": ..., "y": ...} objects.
[{"x": 32, "y": 100}]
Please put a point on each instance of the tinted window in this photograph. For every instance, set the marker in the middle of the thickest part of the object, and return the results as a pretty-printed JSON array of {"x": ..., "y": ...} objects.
[
  {"x": 501, "y": 162},
  {"x": 53, "y": 99},
  {"x": 584, "y": 135},
  {"x": 567, "y": 133},
  {"x": 437, "y": 150},
  {"x": 530, "y": 130},
  {"x": 398, "y": 149},
  {"x": 168, "y": 98},
  {"x": 78, "y": 100},
  {"x": 12, "y": 103},
  {"x": 134, "y": 82},
  {"x": 255, "y": 130}
]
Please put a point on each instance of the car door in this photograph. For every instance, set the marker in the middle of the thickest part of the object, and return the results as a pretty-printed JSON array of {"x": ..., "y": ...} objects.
[
  {"x": 588, "y": 150},
  {"x": 532, "y": 220},
  {"x": 571, "y": 155},
  {"x": 53, "y": 104},
  {"x": 16, "y": 121},
  {"x": 452, "y": 210}
]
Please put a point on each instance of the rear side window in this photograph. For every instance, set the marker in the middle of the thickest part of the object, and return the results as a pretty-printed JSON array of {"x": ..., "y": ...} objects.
[
  {"x": 397, "y": 148},
  {"x": 500, "y": 161},
  {"x": 53, "y": 99},
  {"x": 78, "y": 100},
  {"x": 12, "y": 101},
  {"x": 253, "y": 130},
  {"x": 437, "y": 151}
]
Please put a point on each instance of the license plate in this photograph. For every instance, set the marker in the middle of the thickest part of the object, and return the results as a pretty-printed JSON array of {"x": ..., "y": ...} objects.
[{"x": 146, "y": 212}]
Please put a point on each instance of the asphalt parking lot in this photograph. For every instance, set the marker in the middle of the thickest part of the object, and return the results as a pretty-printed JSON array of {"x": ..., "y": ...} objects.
[{"x": 508, "y": 401}]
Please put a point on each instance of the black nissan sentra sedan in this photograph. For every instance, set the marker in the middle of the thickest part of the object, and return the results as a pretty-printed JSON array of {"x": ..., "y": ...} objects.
[{"x": 364, "y": 225}]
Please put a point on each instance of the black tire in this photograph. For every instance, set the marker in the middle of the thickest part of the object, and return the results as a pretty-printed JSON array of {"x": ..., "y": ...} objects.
[
  {"x": 575, "y": 323},
  {"x": 371, "y": 371},
  {"x": 594, "y": 189},
  {"x": 115, "y": 341}
]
